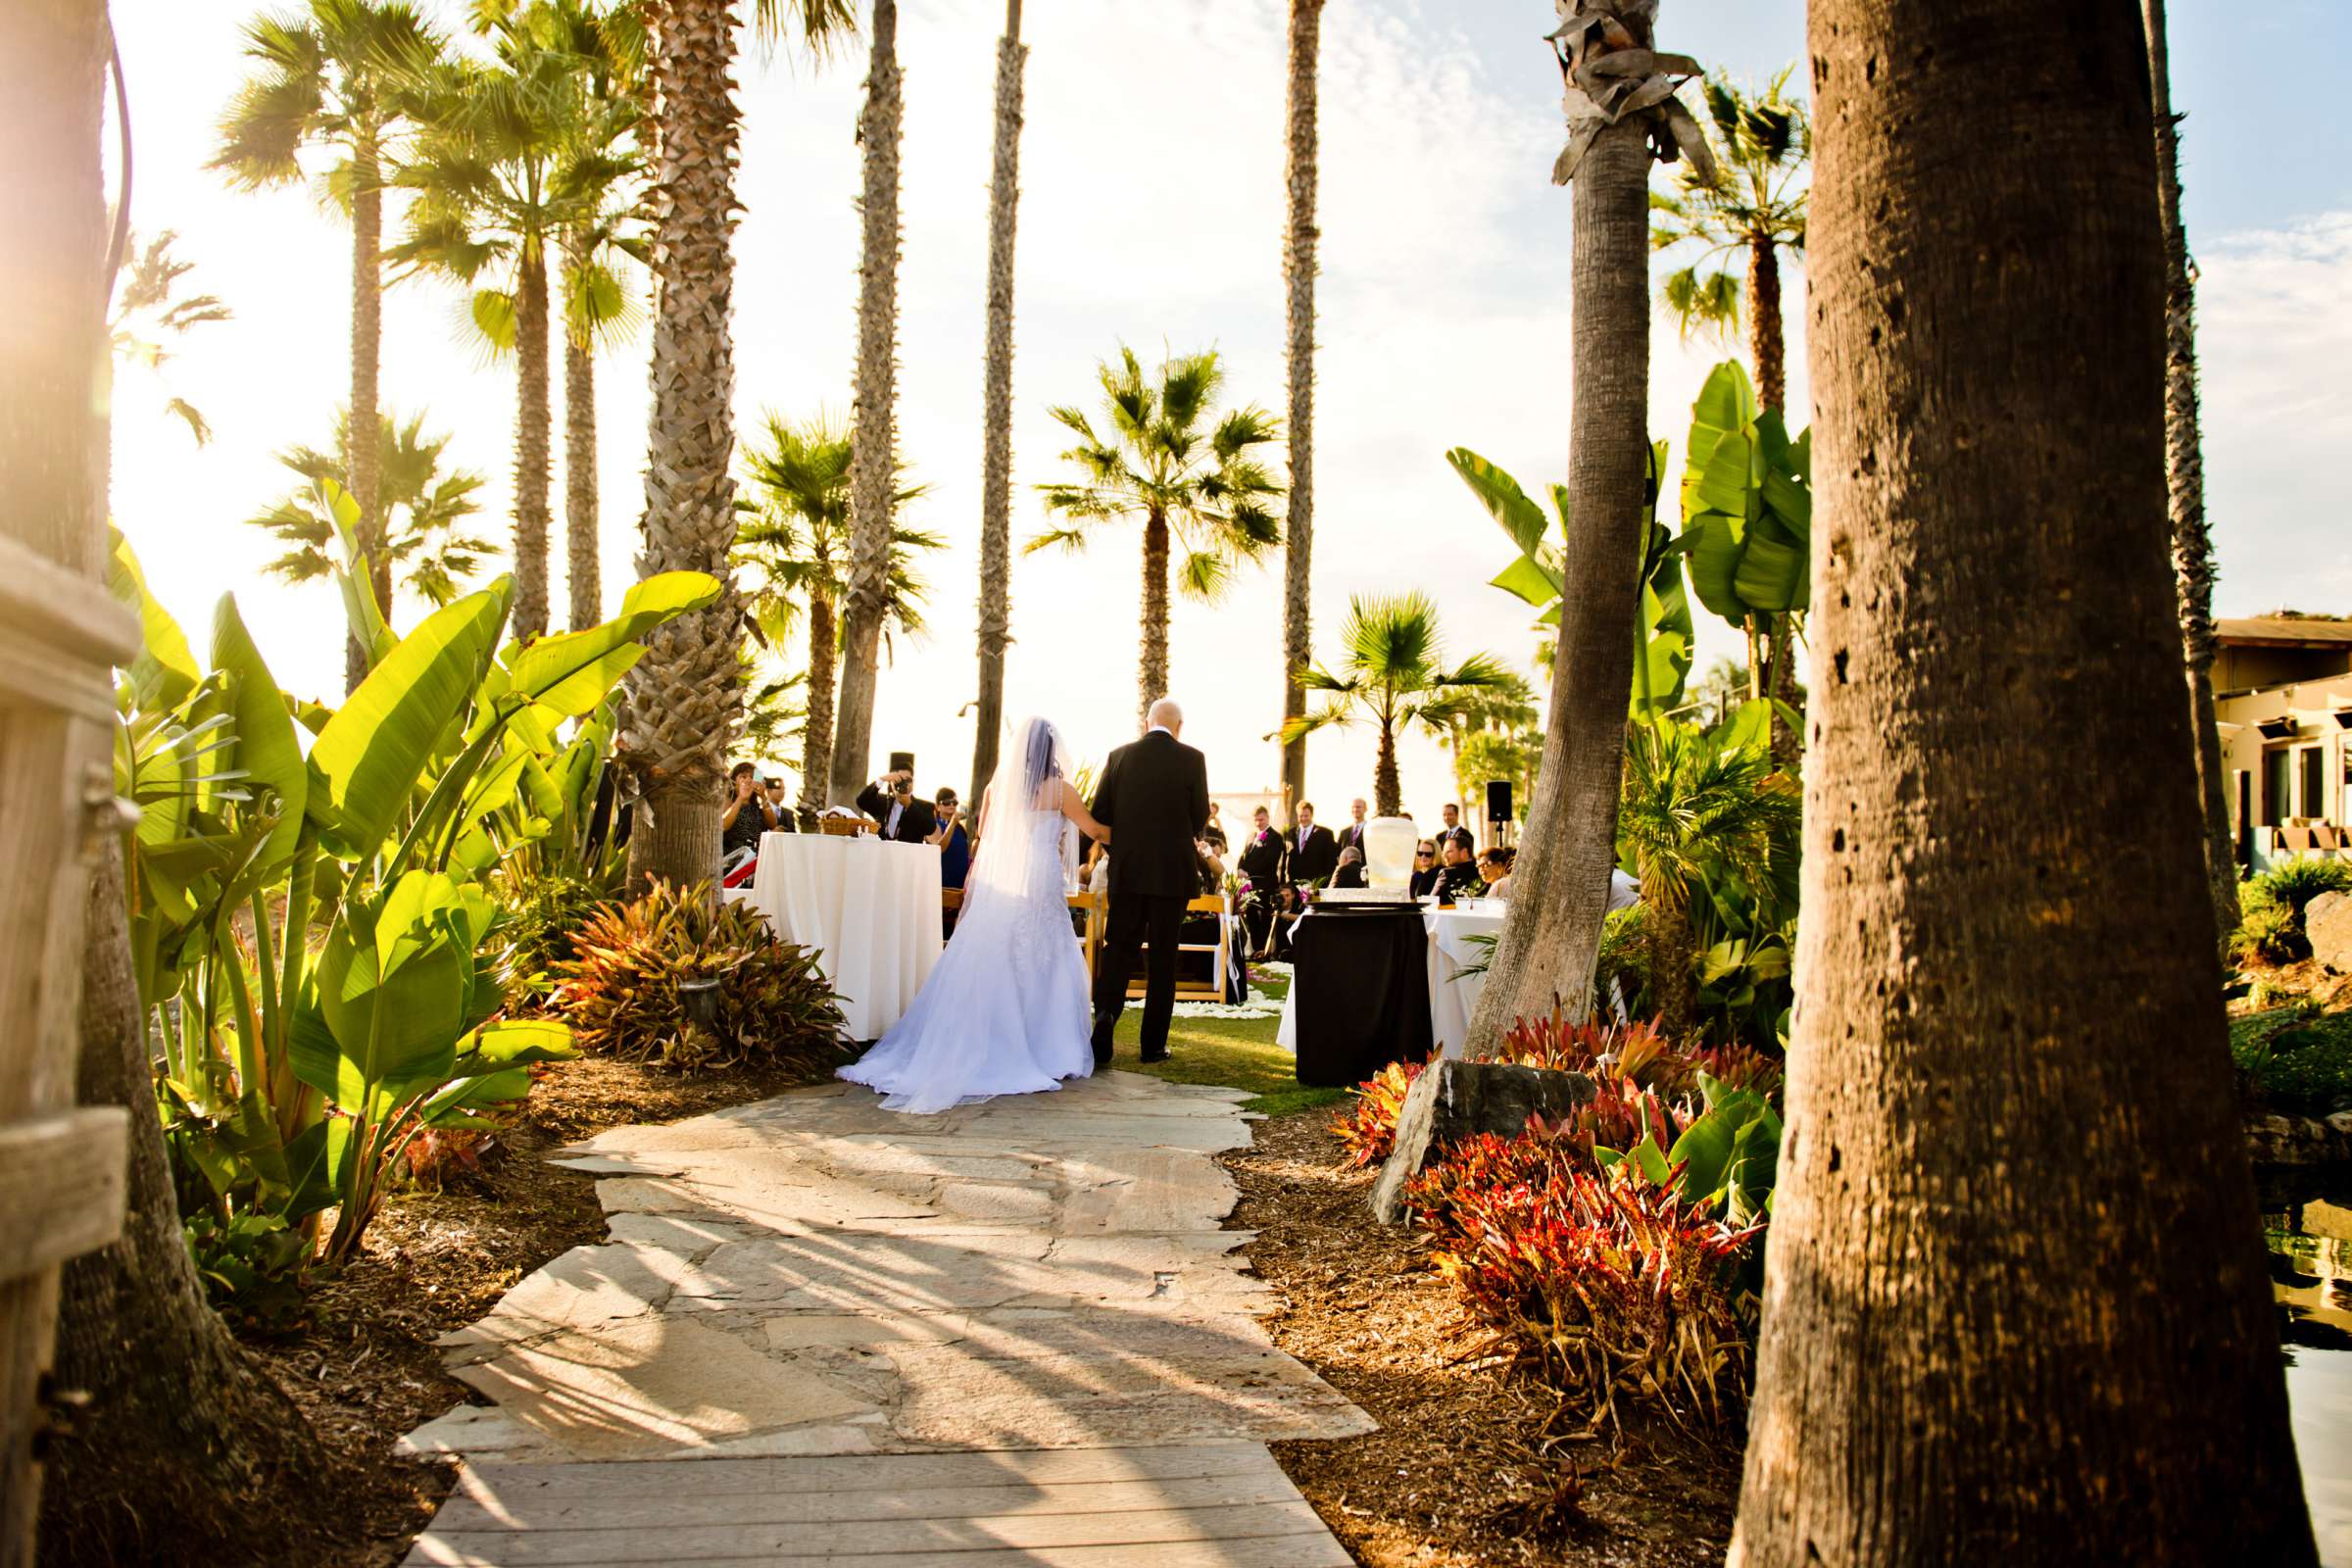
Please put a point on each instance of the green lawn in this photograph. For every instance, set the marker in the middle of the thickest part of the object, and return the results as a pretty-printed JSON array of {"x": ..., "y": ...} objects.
[{"x": 1238, "y": 1052}]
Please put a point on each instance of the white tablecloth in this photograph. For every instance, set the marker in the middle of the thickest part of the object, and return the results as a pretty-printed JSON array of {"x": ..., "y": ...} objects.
[
  {"x": 868, "y": 906},
  {"x": 1451, "y": 1000}
]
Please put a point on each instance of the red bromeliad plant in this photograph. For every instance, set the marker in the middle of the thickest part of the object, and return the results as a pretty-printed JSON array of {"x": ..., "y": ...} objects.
[
  {"x": 1603, "y": 1283},
  {"x": 1367, "y": 1130}
]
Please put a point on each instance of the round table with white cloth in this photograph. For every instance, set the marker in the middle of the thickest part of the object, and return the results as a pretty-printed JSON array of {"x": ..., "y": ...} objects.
[
  {"x": 869, "y": 908},
  {"x": 1453, "y": 995}
]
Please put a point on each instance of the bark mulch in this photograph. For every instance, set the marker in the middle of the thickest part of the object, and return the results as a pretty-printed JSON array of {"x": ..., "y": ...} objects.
[
  {"x": 362, "y": 1362},
  {"x": 1470, "y": 1466}
]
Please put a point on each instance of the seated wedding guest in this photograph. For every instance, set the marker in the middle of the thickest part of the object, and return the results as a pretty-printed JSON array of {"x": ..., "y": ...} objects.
[
  {"x": 745, "y": 818},
  {"x": 1455, "y": 833},
  {"x": 890, "y": 800},
  {"x": 1494, "y": 870},
  {"x": 1315, "y": 854},
  {"x": 1426, "y": 870},
  {"x": 1624, "y": 890},
  {"x": 1459, "y": 879},
  {"x": 955, "y": 844},
  {"x": 1351, "y": 871},
  {"x": 779, "y": 810},
  {"x": 1288, "y": 906}
]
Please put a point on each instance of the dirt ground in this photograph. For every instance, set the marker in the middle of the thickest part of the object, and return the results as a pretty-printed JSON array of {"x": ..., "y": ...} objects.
[
  {"x": 1470, "y": 1467},
  {"x": 363, "y": 1363}
]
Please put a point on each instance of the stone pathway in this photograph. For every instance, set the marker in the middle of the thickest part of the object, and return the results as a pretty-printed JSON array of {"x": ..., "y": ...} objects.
[{"x": 1011, "y": 1333}]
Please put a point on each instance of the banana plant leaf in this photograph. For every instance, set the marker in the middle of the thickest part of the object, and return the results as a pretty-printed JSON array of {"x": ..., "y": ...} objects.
[
  {"x": 164, "y": 672},
  {"x": 263, "y": 748},
  {"x": 1747, "y": 505},
  {"x": 366, "y": 762},
  {"x": 1503, "y": 499}
]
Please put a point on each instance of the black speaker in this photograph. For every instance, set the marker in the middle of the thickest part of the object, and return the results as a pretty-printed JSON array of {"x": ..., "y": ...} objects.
[{"x": 1498, "y": 801}]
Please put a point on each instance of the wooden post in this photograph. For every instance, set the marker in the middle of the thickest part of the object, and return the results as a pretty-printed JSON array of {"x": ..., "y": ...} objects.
[{"x": 62, "y": 1170}]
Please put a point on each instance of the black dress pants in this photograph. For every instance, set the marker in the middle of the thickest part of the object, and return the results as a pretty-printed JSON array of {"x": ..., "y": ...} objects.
[{"x": 1133, "y": 920}]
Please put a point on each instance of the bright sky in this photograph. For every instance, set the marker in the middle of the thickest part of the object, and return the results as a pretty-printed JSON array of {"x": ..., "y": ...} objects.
[{"x": 1151, "y": 213}]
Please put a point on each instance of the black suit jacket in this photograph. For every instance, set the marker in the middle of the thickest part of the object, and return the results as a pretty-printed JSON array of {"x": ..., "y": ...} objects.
[
  {"x": 915, "y": 825},
  {"x": 1460, "y": 835},
  {"x": 1153, "y": 796},
  {"x": 1261, "y": 862},
  {"x": 1352, "y": 837},
  {"x": 1316, "y": 859}
]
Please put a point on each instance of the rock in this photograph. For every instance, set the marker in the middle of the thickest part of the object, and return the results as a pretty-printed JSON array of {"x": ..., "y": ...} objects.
[
  {"x": 2328, "y": 923},
  {"x": 2298, "y": 1140},
  {"x": 1457, "y": 1099}
]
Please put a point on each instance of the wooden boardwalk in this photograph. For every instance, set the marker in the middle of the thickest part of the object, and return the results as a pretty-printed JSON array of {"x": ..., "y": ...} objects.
[
  {"x": 822, "y": 1333},
  {"x": 1205, "y": 1505}
]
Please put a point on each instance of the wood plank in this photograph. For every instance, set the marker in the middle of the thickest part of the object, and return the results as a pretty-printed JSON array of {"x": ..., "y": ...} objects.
[
  {"x": 985, "y": 1467},
  {"x": 891, "y": 1537},
  {"x": 1305, "y": 1550},
  {"x": 62, "y": 1179},
  {"x": 515, "y": 1508}
]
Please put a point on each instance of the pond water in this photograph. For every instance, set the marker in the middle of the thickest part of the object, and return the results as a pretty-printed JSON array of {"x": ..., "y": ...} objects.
[{"x": 2311, "y": 1278}]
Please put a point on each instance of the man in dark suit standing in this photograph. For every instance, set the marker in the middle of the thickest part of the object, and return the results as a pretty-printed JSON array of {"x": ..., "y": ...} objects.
[
  {"x": 1455, "y": 833},
  {"x": 904, "y": 818},
  {"x": 1153, "y": 796},
  {"x": 1314, "y": 853},
  {"x": 1352, "y": 837}
]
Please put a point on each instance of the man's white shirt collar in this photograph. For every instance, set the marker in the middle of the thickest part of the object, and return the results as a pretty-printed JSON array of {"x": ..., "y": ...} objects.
[{"x": 1161, "y": 729}]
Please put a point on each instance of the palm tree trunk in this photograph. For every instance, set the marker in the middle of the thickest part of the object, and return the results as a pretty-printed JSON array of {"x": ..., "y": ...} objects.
[
  {"x": 582, "y": 572},
  {"x": 817, "y": 730},
  {"x": 1388, "y": 793},
  {"x": 1786, "y": 742},
  {"x": 1152, "y": 679},
  {"x": 996, "y": 460},
  {"x": 2008, "y": 1001},
  {"x": 1299, "y": 272},
  {"x": 2184, "y": 469},
  {"x": 532, "y": 419},
  {"x": 1764, "y": 336},
  {"x": 1671, "y": 953},
  {"x": 366, "y": 341},
  {"x": 184, "y": 1436},
  {"x": 1560, "y": 885},
  {"x": 874, "y": 438},
  {"x": 685, "y": 697}
]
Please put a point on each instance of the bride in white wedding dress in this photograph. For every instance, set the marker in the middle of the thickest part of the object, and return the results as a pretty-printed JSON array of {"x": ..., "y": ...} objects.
[{"x": 1006, "y": 1011}]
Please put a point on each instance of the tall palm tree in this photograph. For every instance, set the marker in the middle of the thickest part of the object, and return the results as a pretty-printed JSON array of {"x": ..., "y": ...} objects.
[
  {"x": 336, "y": 73},
  {"x": 1693, "y": 806},
  {"x": 2008, "y": 1001},
  {"x": 510, "y": 160},
  {"x": 182, "y": 1427},
  {"x": 1616, "y": 117},
  {"x": 685, "y": 696},
  {"x": 1193, "y": 479},
  {"x": 996, "y": 448},
  {"x": 149, "y": 310},
  {"x": 425, "y": 511},
  {"x": 1754, "y": 210},
  {"x": 2184, "y": 470},
  {"x": 1391, "y": 673},
  {"x": 598, "y": 306},
  {"x": 1505, "y": 707},
  {"x": 1299, "y": 237},
  {"x": 876, "y": 413},
  {"x": 795, "y": 543}
]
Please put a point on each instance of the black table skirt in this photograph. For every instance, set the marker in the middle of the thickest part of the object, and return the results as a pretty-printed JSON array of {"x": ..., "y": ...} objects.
[{"x": 1360, "y": 980}]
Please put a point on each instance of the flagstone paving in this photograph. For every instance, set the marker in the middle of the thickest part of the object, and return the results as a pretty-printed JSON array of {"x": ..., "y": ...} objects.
[{"x": 1011, "y": 1332}]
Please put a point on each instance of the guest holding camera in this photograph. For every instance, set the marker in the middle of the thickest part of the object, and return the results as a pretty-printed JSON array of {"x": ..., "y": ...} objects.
[
  {"x": 891, "y": 801},
  {"x": 955, "y": 844}
]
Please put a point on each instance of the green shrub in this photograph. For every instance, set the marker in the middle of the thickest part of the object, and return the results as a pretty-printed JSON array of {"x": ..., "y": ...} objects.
[
  {"x": 2297, "y": 1058},
  {"x": 2295, "y": 883},
  {"x": 2267, "y": 930},
  {"x": 620, "y": 991},
  {"x": 543, "y": 916}
]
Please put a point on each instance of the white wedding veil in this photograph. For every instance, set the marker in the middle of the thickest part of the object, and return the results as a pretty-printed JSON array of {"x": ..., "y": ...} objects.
[{"x": 1016, "y": 856}]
